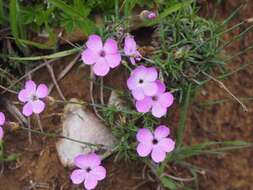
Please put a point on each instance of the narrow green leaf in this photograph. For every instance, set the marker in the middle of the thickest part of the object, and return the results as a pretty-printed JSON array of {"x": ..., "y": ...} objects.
[
  {"x": 52, "y": 56},
  {"x": 13, "y": 6},
  {"x": 34, "y": 44},
  {"x": 66, "y": 8},
  {"x": 168, "y": 183},
  {"x": 1, "y": 12},
  {"x": 183, "y": 114}
]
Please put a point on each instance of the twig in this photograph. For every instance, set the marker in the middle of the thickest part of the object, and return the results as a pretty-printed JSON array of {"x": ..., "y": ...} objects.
[
  {"x": 179, "y": 178},
  {"x": 102, "y": 91},
  {"x": 51, "y": 72},
  {"x": 65, "y": 71},
  {"x": 8, "y": 90},
  {"x": 227, "y": 90},
  {"x": 29, "y": 119},
  {"x": 39, "y": 122},
  {"x": 140, "y": 184},
  {"x": 29, "y": 130},
  {"x": 91, "y": 94}
]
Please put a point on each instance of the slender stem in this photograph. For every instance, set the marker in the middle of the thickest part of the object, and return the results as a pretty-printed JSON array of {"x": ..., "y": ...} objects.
[{"x": 52, "y": 135}]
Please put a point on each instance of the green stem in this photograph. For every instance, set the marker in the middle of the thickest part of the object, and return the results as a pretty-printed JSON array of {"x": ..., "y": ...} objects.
[{"x": 52, "y": 135}]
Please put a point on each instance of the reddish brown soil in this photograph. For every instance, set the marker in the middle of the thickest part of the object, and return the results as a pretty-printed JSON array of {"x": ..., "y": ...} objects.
[{"x": 38, "y": 163}]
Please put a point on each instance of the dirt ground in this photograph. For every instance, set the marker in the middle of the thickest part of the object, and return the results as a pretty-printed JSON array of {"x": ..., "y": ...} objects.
[{"x": 38, "y": 166}]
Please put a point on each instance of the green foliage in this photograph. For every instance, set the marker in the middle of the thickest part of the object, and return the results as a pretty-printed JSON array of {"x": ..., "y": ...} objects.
[{"x": 189, "y": 46}]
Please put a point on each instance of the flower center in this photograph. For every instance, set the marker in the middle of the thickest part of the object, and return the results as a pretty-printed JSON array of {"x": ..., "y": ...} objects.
[
  {"x": 141, "y": 81},
  {"x": 34, "y": 97},
  {"x": 88, "y": 169},
  {"x": 154, "y": 98},
  {"x": 155, "y": 141},
  {"x": 102, "y": 53}
]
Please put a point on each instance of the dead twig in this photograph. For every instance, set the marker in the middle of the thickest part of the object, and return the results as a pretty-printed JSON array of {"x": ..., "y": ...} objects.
[
  {"x": 179, "y": 178},
  {"x": 65, "y": 71},
  {"x": 39, "y": 122},
  {"x": 102, "y": 91},
  {"x": 8, "y": 90},
  {"x": 221, "y": 84},
  {"x": 91, "y": 95},
  {"x": 51, "y": 72}
]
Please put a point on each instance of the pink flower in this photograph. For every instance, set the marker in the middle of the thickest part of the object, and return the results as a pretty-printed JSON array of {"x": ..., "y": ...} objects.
[
  {"x": 101, "y": 57},
  {"x": 90, "y": 171},
  {"x": 130, "y": 49},
  {"x": 151, "y": 15},
  {"x": 2, "y": 121},
  {"x": 31, "y": 96},
  {"x": 158, "y": 144},
  {"x": 142, "y": 82},
  {"x": 158, "y": 103}
]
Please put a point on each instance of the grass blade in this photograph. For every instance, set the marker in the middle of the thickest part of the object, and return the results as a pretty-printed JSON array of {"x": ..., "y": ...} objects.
[
  {"x": 51, "y": 56},
  {"x": 183, "y": 114}
]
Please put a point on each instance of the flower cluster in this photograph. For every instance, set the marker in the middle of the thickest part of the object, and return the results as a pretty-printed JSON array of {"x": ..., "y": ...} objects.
[
  {"x": 149, "y": 92},
  {"x": 2, "y": 121}
]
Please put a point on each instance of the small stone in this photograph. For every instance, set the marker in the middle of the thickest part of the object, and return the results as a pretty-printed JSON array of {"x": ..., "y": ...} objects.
[{"x": 81, "y": 125}]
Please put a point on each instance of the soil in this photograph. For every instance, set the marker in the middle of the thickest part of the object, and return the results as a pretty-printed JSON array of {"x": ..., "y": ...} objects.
[{"x": 38, "y": 166}]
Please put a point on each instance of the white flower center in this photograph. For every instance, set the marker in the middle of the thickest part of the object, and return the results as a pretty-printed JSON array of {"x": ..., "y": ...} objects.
[{"x": 33, "y": 98}]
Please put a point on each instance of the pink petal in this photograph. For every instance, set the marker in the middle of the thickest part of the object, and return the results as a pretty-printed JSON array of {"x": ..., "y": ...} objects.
[
  {"x": 2, "y": 118},
  {"x": 38, "y": 106},
  {"x": 166, "y": 99},
  {"x": 95, "y": 43},
  {"x": 144, "y": 105},
  {"x": 158, "y": 110},
  {"x": 89, "y": 57},
  {"x": 150, "y": 89},
  {"x": 139, "y": 72},
  {"x": 77, "y": 176},
  {"x": 23, "y": 96},
  {"x": 158, "y": 155},
  {"x": 42, "y": 91},
  {"x": 1, "y": 133},
  {"x": 93, "y": 160},
  {"x": 90, "y": 183},
  {"x": 132, "y": 60},
  {"x": 132, "y": 83},
  {"x": 81, "y": 161},
  {"x": 101, "y": 67},
  {"x": 113, "y": 59},
  {"x": 30, "y": 86},
  {"x": 151, "y": 74},
  {"x": 166, "y": 144},
  {"x": 138, "y": 94},
  {"x": 130, "y": 45},
  {"x": 27, "y": 109},
  {"x": 111, "y": 46},
  {"x": 144, "y": 136},
  {"x": 161, "y": 132},
  {"x": 144, "y": 149},
  {"x": 161, "y": 87},
  {"x": 99, "y": 172}
]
